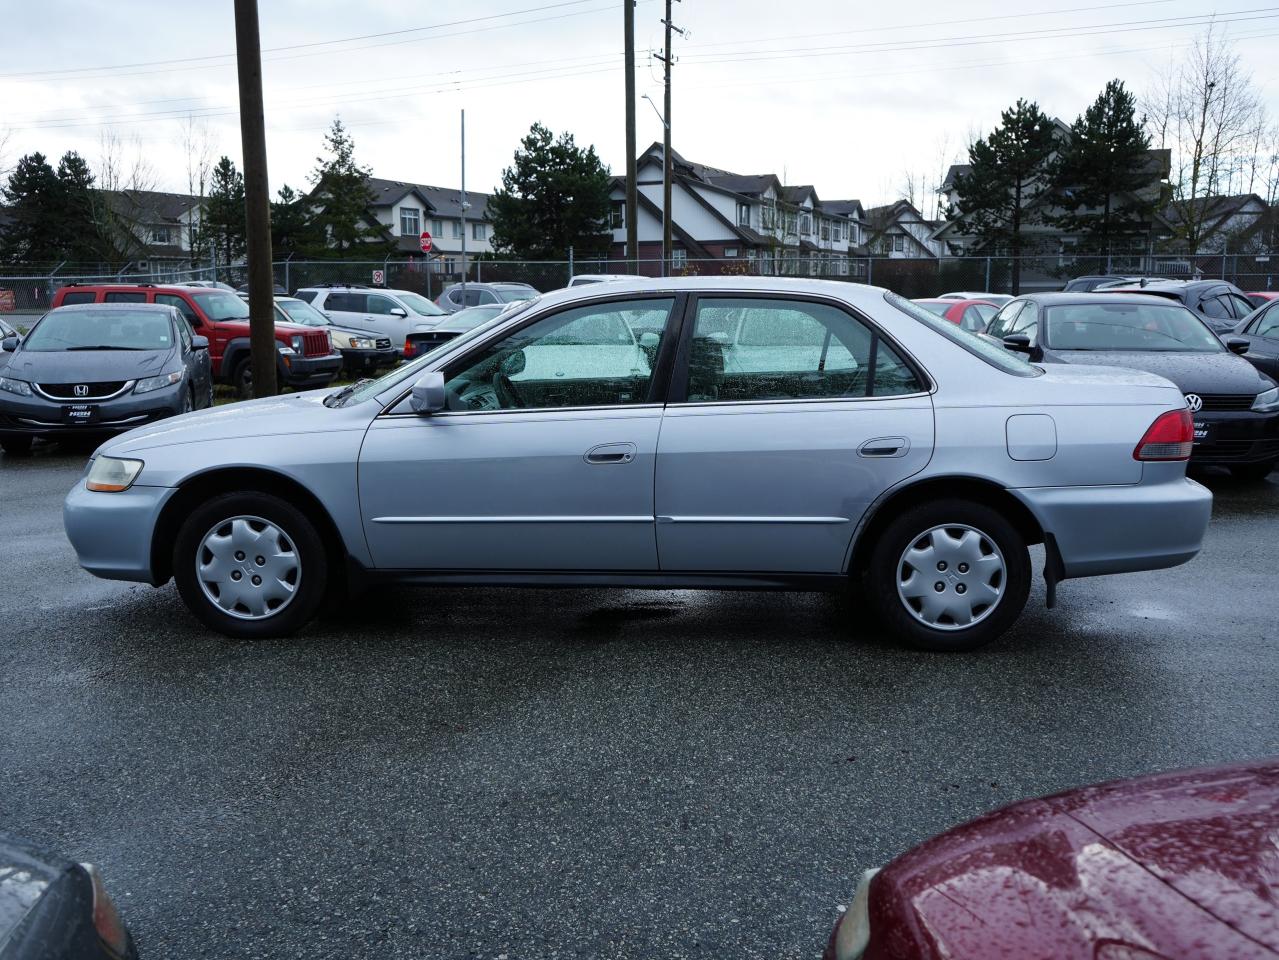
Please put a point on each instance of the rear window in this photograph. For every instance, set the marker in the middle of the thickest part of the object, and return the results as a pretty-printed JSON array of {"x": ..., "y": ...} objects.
[
  {"x": 982, "y": 349},
  {"x": 307, "y": 295},
  {"x": 79, "y": 296}
]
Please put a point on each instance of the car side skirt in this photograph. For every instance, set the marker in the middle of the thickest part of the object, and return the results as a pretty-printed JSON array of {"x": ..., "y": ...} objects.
[{"x": 570, "y": 579}]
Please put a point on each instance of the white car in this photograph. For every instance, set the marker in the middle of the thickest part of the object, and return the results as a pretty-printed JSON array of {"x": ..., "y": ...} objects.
[
  {"x": 387, "y": 313},
  {"x": 585, "y": 278}
]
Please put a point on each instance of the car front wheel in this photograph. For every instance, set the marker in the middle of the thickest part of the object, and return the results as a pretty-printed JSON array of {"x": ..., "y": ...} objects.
[
  {"x": 950, "y": 575},
  {"x": 250, "y": 565}
]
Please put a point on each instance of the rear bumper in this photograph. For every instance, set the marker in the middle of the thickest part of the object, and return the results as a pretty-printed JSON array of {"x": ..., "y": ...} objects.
[
  {"x": 360, "y": 361},
  {"x": 112, "y": 532},
  {"x": 1119, "y": 529}
]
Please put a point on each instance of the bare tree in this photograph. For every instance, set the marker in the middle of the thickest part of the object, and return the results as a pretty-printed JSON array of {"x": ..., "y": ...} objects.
[
  {"x": 1207, "y": 113},
  {"x": 124, "y": 178},
  {"x": 5, "y": 136},
  {"x": 197, "y": 145}
]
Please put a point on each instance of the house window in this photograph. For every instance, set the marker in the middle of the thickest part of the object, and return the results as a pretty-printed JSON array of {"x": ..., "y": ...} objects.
[
  {"x": 617, "y": 215},
  {"x": 837, "y": 231},
  {"x": 479, "y": 231},
  {"x": 768, "y": 216},
  {"x": 437, "y": 228},
  {"x": 806, "y": 225},
  {"x": 730, "y": 251},
  {"x": 410, "y": 222},
  {"x": 457, "y": 229},
  {"x": 899, "y": 243},
  {"x": 825, "y": 229},
  {"x": 743, "y": 214},
  {"x": 160, "y": 234},
  {"x": 679, "y": 258}
]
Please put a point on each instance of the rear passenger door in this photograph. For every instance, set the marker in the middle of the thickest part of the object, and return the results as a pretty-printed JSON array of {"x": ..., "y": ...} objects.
[
  {"x": 787, "y": 418},
  {"x": 348, "y": 310}
]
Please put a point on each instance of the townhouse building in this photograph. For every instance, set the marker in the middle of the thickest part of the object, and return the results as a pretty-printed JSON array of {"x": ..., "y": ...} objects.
[{"x": 407, "y": 209}]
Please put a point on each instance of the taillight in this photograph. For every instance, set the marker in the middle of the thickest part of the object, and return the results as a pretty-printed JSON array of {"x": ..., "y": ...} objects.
[
  {"x": 106, "y": 919},
  {"x": 1170, "y": 437},
  {"x": 409, "y": 349}
]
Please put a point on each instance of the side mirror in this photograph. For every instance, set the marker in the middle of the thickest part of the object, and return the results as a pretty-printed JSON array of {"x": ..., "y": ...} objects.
[
  {"x": 649, "y": 339},
  {"x": 399, "y": 312},
  {"x": 428, "y": 395},
  {"x": 9, "y": 344},
  {"x": 199, "y": 343},
  {"x": 1020, "y": 343},
  {"x": 1237, "y": 345}
]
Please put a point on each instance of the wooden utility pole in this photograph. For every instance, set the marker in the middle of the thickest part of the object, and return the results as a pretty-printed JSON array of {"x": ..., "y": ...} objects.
[
  {"x": 632, "y": 191},
  {"x": 666, "y": 151},
  {"x": 257, "y": 208}
]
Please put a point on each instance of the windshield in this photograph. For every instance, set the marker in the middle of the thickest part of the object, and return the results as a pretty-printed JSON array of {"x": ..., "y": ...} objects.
[
  {"x": 984, "y": 349},
  {"x": 299, "y": 311},
  {"x": 932, "y": 306},
  {"x": 419, "y": 305},
  {"x": 514, "y": 294},
  {"x": 411, "y": 370},
  {"x": 476, "y": 314},
  {"x": 1122, "y": 325},
  {"x": 218, "y": 305},
  {"x": 101, "y": 330}
]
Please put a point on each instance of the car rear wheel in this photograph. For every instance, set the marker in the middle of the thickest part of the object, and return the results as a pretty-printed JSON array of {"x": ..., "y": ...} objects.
[
  {"x": 1252, "y": 472},
  {"x": 951, "y": 575},
  {"x": 16, "y": 446},
  {"x": 250, "y": 565}
]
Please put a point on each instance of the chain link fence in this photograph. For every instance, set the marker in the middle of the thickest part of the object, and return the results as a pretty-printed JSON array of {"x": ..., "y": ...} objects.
[{"x": 30, "y": 288}]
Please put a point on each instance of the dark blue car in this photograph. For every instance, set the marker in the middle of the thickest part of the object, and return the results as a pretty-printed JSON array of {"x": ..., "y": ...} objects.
[{"x": 97, "y": 369}]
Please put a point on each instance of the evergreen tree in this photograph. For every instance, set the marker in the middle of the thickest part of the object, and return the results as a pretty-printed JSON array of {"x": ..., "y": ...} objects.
[
  {"x": 76, "y": 223},
  {"x": 290, "y": 228},
  {"x": 555, "y": 196},
  {"x": 33, "y": 198},
  {"x": 223, "y": 225},
  {"x": 1009, "y": 174},
  {"x": 1104, "y": 175},
  {"x": 341, "y": 201}
]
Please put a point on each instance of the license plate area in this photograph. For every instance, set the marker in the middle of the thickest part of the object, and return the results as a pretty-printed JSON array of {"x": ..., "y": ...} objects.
[
  {"x": 1203, "y": 431},
  {"x": 75, "y": 414}
]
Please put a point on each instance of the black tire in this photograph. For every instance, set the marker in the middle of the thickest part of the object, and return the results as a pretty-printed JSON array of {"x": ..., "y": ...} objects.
[
  {"x": 1252, "y": 472},
  {"x": 1013, "y": 582},
  {"x": 242, "y": 379},
  {"x": 18, "y": 446},
  {"x": 307, "y": 546}
]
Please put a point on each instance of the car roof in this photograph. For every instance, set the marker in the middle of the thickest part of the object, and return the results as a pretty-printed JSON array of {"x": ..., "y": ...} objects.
[
  {"x": 132, "y": 307},
  {"x": 1093, "y": 296}
]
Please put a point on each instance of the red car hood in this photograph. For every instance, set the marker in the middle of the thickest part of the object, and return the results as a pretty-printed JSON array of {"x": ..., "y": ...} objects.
[
  {"x": 1182, "y": 865},
  {"x": 1212, "y": 835}
]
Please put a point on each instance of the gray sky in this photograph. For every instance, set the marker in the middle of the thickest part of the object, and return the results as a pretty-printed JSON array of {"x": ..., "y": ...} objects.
[{"x": 843, "y": 94}]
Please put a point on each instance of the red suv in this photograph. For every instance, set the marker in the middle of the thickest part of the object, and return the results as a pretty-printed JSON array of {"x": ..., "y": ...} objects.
[{"x": 305, "y": 356}]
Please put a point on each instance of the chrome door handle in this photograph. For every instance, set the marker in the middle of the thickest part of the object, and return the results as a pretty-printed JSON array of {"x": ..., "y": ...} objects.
[
  {"x": 610, "y": 453},
  {"x": 884, "y": 448}
]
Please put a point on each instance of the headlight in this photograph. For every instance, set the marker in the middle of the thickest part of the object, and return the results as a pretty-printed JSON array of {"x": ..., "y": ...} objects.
[
  {"x": 361, "y": 343},
  {"x": 20, "y": 387},
  {"x": 112, "y": 474},
  {"x": 1267, "y": 401},
  {"x": 283, "y": 348},
  {"x": 158, "y": 383},
  {"x": 297, "y": 343}
]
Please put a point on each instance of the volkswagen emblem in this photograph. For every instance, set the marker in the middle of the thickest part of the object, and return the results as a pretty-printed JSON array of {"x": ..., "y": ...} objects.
[
  {"x": 82, "y": 390},
  {"x": 1194, "y": 402}
]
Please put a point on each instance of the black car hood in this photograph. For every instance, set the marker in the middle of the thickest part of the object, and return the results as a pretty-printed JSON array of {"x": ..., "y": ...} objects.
[
  {"x": 87, "y": 366},
  {"x": 1223, "y": 373}
]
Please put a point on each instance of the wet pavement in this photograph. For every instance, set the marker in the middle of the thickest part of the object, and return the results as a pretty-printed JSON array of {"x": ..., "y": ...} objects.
[{"x": 488, "y": 773}]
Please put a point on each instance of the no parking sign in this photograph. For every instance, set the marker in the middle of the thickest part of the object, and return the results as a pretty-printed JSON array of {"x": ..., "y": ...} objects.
[{"x": 379, "y": 278}]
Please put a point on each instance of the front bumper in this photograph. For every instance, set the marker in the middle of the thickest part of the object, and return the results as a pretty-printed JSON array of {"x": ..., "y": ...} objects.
[
  {"x": 1157, "y": 523},
  {"x": 112, "y": 532},
  {"x": 299, "y": 371},
  {"x": 1238, "y": 437},
  {"x": 36, "y": 416},
  {"x": 364, "y": 361}
]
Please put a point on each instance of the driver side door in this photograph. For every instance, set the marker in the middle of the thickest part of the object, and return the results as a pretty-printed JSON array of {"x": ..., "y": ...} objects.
[{"x": 544, "y": 459}]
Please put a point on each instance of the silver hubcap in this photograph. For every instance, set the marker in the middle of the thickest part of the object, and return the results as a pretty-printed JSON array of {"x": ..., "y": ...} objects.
[
  {"x": 248, "y": 568},
  {"x": 951, "y": 577}
]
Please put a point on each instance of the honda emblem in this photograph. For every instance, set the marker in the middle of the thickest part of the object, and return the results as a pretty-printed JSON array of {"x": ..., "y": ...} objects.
[{"x": 81, "y": 390}]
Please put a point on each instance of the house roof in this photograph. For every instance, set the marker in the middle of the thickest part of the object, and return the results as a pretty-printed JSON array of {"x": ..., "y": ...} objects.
[
  {"x": 151, "y": 206},
  {"x": 799, "y": 194},
  {"x": 852, "y": 209},
  {"x": 443, "y": 202}
]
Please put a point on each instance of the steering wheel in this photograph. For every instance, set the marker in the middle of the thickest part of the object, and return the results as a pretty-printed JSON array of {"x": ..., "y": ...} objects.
[{"x": 505, "y": 390}]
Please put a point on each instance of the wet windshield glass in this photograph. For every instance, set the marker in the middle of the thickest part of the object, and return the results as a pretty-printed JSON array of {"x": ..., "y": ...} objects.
[
  {"x": 102, "y": 330},
  {"x": 419, "y": 305},
  {"x": 1145, "y": 327},
  {"x": 222, "y": 306},
  {"x": 974, "y": 344},
  {"x": 299, "y": 311}
]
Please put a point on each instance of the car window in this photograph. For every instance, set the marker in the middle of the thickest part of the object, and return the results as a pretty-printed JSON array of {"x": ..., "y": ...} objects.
[
  {"x": 419, "y": 305},
  {"x": 472, "y": 297},
  {"x": 586, "y": 357},
  {"x": 1242, "y": 305},
  {"x": 117, "y": 296},
  {"x": 184, "y": 308},
  {"x": 1001, "y": 324},
  {"x": 1216, "y": 308},
  {"x": 487, "y": 296},
  {"x": 346, "y": 302},
  {"x": 976, "y": 317},
  {"x": 514, "y": 294},
  {"x": 184, "y": 332},
  {"x": 79, "y": 296},
  {"x": 219, "y": 305},
  {"x": 933, "y": 306},
  {"x": 382, "y": 306},
  {"x": 979, "y": 347},
  {"x": 1268, "y": 323},
  {"x": 59, "y": 330},
  {"x": 307, "y": 295},
  {"x": 1129, "y": 326},
  {"x": 1027, "y": 321},
  {"x": 299, "y": 311},
  {"x": 747, "y": 349}
]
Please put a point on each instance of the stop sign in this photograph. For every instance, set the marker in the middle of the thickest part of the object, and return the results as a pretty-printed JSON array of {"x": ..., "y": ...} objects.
[{"x": 425, "y": 242}]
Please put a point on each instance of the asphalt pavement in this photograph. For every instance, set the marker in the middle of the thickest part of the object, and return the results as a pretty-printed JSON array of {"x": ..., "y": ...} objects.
[{"x": 500, "y": 773}]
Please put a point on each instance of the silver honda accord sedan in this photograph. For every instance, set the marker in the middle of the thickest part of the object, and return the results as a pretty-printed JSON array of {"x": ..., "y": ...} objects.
[{"x": 694, "y": 433}]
